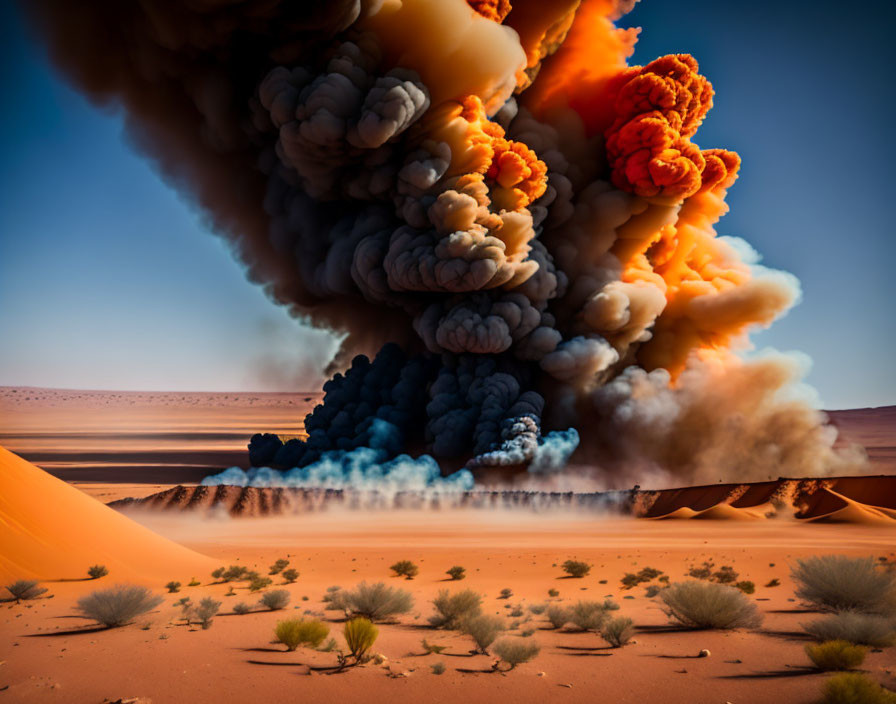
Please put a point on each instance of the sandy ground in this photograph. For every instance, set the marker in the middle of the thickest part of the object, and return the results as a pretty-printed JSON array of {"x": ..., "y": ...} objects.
[{"x": 159, "y": 658}]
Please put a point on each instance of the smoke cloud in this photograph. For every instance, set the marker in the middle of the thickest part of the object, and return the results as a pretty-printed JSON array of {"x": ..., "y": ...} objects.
[{"x": 511, "y": 228}]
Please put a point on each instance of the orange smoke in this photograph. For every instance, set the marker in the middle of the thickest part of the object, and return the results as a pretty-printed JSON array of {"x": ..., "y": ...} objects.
[
  {"x": 494, "y": 10},
  {"x": 658, "y": 109}
]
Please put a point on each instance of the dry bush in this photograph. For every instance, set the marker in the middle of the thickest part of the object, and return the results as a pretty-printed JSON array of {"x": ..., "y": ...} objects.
[
  {"x": 360, "y": 635},
  {"x": 515, "y": 651},
  {"x": 841, "y": 583},
  {"x": 173, "y": 587},
  {"x": 575, "y": 568},
  {"x": 275, "y": 600},
  {"x": 25, "y": 589},
  {"x": 376, "y": 602},
  {"x": 278, "y": 566},
  {"x": 438, "y": 668},
  {"x": 618, "y": 631},
  {"x": 591, "y": 615},
  {"x": 117, "y": 605},
  {"x": 297, "y": 632},
  {"x": 506, "y": 593},
  {"x": 836, "y": 655},
  {"x": 206, "y": 611},
  {"x": 241, "y": 608},
  {"x": 862, "y": 629},
  {"x": 405, "y": 568},
  {"x": 854, "y": 688},
  {"x": 97, "y": 571},
  {"x": 483, "y": 629},
  {"x": 746, "y": 586},
  {"x": 709, "y": 605},
  {"x": 257, "y": 583},
  {"x": 558, "y": 615},
  {"x": 538, "y": 609},
  {"x": 453, "y": 609},
  {"x": 456, "y": 573},
  {"x": 553, "y": 593}
]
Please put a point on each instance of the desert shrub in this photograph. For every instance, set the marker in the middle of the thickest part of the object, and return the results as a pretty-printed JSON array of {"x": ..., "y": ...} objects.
[
  {"x": 516, "y": 611},
  {"x": 538, "y": 609},
  {"x": 483, "y": 629},
  {"x": 117, "y": 605},
  {"x": 206, "y": 611},
  {"x": 855, "y": 688},
  {"x": 774, "y": 582},
  {"x": 438, "y": 668},
  {"x": 25, "y": 589},
  {"x": 648, "y": 573},
  {"x": 629, "y": 580},
  {"x": 375, "y": 602},
  {"x": 841, "y": 583},
  {"x": 618, "y": 631},
  {"x": 506, "y": 593},
  {"x": 329, "y": 646},
  {"x": 297, "y": 632},
  {"x": 360, "y": 635},
  {"x": 278, "y": 566},
  {"x": 704, "y": 571},
  {"x": 589, "y": 615},
  {"x": 405, "y": 568},
  {"x": 725, "y": 575},
  {"x": 290, "y": 575},
  {"x": 575, "y": 568},
  {"x": 559, "y": 616},
  {"x": 218, "y": 573},
  {"x": 709, "y": 605},
  {"x": 863, "y": 629},
  {"x": 173, "y": 587},
  {"x": 97, "y": 571},
  {"x": 193, "y": 582},
  {"x": 234, "y": 573},
  {"x": 553, "y": 593},
  {"x": 652, "y": 590},
  {"x": 258, "y": 583},
  {"x": 333, "y": 599},
  {"x": 746, "y": 586},
  {"x": 432, "y": 647},
  {"x": 241, "y": 608},
  {"x": 456, "y": 573},
  {"x": 453, "y": 609},
  {"x": 836, "y": 655},
  {"x": 515, "y": 651},
  {"x": 275, "y": 600}
]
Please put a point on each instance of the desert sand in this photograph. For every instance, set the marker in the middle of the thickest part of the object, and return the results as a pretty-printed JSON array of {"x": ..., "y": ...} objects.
[{"x": 46, "y": 650}]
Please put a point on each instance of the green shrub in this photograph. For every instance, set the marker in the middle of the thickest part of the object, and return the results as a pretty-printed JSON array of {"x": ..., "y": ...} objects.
[
  {"x": 275, "y": 600},
  {"x": 298, "y": 632},
  {"x": 25, "y": 590},
  {"x": 117, "y": 605},
  {"x": 173, "y": 587},
  {"x": 206, "y": 611},
  {"x": 258, "y": 583},
  {"x": 863, "y": 629},
  {"x": 841, "y": 583},
  {"x": 506, "y": 593},
  {"x": 360, "y": 635},
  {"x": 558, "y": 615},
  {"x": 709, "y": 605},
  {"x": 97, "y": 571},
  {"x": 702, "y": 572},
  {"x": 432, "y": 647},
  {"x": 629, "y": 580},
  {"x": 855, "y": 688},
  {"x": 453, "y": 609},
  {"x": 456, "y": 573},
  {"x": 438, "y": 668},
  {"x": 483, "y": 629},
  {"x": 575, "y": 568},
  {"x": 405, "y": 568},
  {"x": 290, "y": 575},
  {"x": 589, "y": 615},
  {"x": 725, "y": 575},
  {"x": 746, "y": 586},
  {"x": 618, "y": 631},
  {"x": 241, "y": 608},
  {"x": 515, "y": 651},
  {"x": 836, "y": 655},
  {"x": 218, "y": 573},
  {"x": 376, "y": 602},
  {"x": 278, "y": 566}
]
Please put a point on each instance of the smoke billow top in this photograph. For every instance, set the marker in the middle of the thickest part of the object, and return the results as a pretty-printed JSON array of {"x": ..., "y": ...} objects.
[{"x": 513, "y": 229}]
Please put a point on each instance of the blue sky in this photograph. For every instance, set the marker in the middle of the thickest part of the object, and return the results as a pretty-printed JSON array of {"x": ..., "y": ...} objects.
[{"x": 109, "y": 280}]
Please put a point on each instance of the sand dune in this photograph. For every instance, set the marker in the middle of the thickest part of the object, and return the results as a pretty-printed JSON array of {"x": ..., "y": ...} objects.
[{"x": 51, "y": 530}]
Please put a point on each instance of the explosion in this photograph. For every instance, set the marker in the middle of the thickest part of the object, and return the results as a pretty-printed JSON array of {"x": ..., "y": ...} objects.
[{"x": 512, "y": 228}]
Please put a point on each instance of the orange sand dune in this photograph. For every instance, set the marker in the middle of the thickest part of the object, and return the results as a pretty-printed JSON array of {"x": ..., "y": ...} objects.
[
  {"x": 831, "y": 507},
  {"x": 719, "y": 512},
  {"x": 50, "y": 530}
]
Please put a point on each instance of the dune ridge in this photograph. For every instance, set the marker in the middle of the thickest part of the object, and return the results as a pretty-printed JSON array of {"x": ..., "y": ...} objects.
[{"x": 51, "y": 530}]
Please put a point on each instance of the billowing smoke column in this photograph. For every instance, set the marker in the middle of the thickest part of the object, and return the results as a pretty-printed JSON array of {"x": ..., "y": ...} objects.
[{"x": 515, "y": 226}]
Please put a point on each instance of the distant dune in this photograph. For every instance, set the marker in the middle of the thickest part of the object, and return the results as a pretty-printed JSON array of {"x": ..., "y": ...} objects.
[{"x": 52, "y": 531}]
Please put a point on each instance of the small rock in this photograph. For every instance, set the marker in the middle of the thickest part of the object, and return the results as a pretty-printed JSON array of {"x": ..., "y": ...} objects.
[
  {"x": 568, "y": 686},
  {"x": 540, "y": 674},
  {"x": 380, "y": 659},
  {"x": 704, "y": 653}
]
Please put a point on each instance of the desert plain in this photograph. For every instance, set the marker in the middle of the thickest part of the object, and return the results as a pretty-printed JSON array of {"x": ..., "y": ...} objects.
[{"x": 102, "y": 447}]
